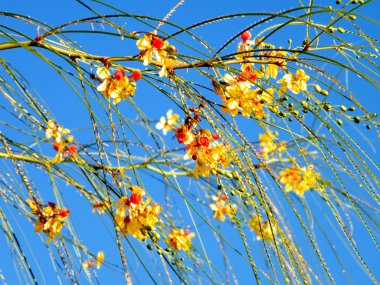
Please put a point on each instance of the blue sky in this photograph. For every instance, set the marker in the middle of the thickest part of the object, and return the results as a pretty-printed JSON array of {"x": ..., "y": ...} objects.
[{"x": 67, "y": 107}]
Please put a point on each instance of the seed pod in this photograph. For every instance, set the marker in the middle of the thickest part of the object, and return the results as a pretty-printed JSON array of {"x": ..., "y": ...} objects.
[
  {"x": 352, "y": 17},
  {"x": 327, "y": 107},
  {"x": 343, "y": 108},
  {"x": 339, "y": 122},
  {"x": 341, "y": 30},
  {"x": 352, "y": 108},
  {"x": 324, "y": 92},
  {"x": 304, "y": 104},
  {"x": 317, "y": 88},
  {"x": 356, "y": 119}
]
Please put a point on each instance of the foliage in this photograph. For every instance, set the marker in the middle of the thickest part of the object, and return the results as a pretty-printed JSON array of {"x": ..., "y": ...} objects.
[{"x": 257, "y": 165}]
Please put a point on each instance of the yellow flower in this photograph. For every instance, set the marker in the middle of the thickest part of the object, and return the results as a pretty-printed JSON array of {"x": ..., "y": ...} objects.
[
  {"x": 298, "y": 179},
  {"x": 99, "y": 261},
  {"x": 33, "y": 205},
  {"x": 244, "y": 51},
  {"x": 180, "y": 239},
  {"x": 135, "y": 217},
  {"x": 222, "y": 208},
  {"x": 55, "y": 131},
  {"x": 268, "y": 144},
  {"x": 276, "y": 59},
  {"x": 237, "y": 95},
  {"x": 152, "y": 49},
  {"x": 118, "y": 87},
  {"x": 294, "y": 83},
  {"x": 51, "y": 219},
  {"x": 169, "y": 123},
  {"x": 211, "y": 159},
  {"x": 262, "y": 228}
]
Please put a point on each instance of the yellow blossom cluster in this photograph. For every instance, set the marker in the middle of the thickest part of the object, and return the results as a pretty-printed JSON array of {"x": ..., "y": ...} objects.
[
  {"x": 268, "y": 144},
  {"x": 168, "y": 123},
  {"x": 299, "y": 179},
  {"x": 51, "y": 217},
  {"x": 294, "y": 83},
  {"x": 94, "y": 263},
  {"x": 180, "y": 239},
  {"x": 238, "y": 95},
  {"x": 202, "y": 146},
  {"x": 61, "y": 141},
  {"x": 221, "y": 207},
  {"x": 134, "y": 216},
  {"x": 153, "y": 49},
  {"x": 262, "y": 228},
  {"x": 118, "y": 86}
]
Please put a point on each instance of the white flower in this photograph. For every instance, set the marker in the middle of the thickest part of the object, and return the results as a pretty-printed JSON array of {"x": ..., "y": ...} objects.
[{"x": 168, "y": 123}]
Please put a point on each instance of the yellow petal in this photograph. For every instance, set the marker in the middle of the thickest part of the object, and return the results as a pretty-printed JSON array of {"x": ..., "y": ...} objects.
[{"x": 99, "y": 259}]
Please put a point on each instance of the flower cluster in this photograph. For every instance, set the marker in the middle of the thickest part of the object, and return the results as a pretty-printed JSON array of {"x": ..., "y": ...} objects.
[
  {"x": 118, "y": 86},
  {"x": 202, "y": 146},
  {"x": 298, "y": 179},
  {"x": 155, "y": 50},
  {"x": 237, "y": 95},
  {"x": 180, "y": 239},
  {"x": 134, "y": 216},
  {"x": 262, "y": 228},
  {"x": 97, "y": 262},
  {"x": 241, "y": 94},
  {"x": 61, "y": 141},
  {"x": 268, "y": 144},
  {"x": 221, "y": 207},
  {"x": 294, "y": 83},
  {"x": 168, "y": 123},
  {"x": 51, "y": 217}
]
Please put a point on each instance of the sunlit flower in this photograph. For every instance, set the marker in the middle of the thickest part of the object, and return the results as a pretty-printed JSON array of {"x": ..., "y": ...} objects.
[
  {"x": 168, "y": 123},
  {"x": 298, "y": 179},
  {"x": 50, "y": 219},
  {"x": 184, "y": 134},
  {"x": 262, "y": 228},
  {"x": 55, "y": 131},
  {"x": 221, "y": 207},
  {"x": 276, "y": 59},
  {"x": 134, "y": 216},
  {"x": 180, "y": 239},
  {"x": 118, "y": 87},
  {"x": 97, "y": 262},
  {"x": 152, "y": 48},
  {"x": 238, "y": 95},
  {"x": 33, "y": 205},
  {"x": 268, "y": 144},
  {"x": 294, "y": 83}
]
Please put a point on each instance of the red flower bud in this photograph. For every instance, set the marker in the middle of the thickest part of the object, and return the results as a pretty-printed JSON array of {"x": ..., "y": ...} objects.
[
  {"x": 215, "y": 136},
  {"x": 119, "y": 74},
  {"x": 246, "y": 36},
  {"x": 136, "y": 75},
  {"x": 157, "y": 43},
  {"x": 136, "y": 198},
  {"x": 204, "y": 141}
]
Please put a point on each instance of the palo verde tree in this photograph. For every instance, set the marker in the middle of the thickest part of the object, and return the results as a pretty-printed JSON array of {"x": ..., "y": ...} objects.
[{"x": 189, "y": 143}]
